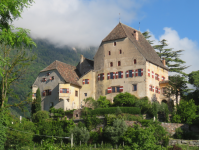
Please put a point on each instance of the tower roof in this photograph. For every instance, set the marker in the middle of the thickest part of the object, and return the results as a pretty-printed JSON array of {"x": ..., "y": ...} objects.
[{"x": 142, "y": 45}]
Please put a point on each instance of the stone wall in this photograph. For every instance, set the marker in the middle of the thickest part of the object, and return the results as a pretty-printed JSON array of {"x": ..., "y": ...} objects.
[
  {"x": 184, "y": 142},
  {"x": 170, "y": 127}
]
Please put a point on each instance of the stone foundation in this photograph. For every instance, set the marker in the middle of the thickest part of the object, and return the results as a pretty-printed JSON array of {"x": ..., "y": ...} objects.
[{"x": 184, "y": 142}]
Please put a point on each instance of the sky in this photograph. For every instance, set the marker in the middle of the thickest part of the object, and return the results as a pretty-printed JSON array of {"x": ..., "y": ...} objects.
[{"x": 84, "y": 23}]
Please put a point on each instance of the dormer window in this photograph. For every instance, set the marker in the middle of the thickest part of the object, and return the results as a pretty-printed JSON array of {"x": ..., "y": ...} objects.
[
  {"x": 52, "y": 78},
  {"x": 44, "y": 80},
  {"x": 114, "y": 43},
  {"x": 48, "y": 73}
]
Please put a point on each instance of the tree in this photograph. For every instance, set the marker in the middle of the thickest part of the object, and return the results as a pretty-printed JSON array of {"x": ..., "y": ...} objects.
[
  {"x": 103, "y": 102},
  {"x": 185, "y": 113},
  {"x": 172, "y": 58},
  {"x": 38, "y": 101},
  {"x": 40, "y": 115},
  {"x": 115, "y": 132},
  {"x": 194, "y": 78},
  {"x": 80, "y": 134},
  {"x": 124, "y": 99},
  {"x": 147, "y": 36}
]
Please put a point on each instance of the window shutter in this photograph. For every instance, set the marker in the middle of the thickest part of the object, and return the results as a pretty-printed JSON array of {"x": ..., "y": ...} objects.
[
  {"x": 132, "y": 73},
  {"x": 121, "y": 88},
  {"x": 98, "y": 77},
  {"x": 108, "y": 76},
  {"x": 109, "y": 90},
  {"x": 33, "y": 95},
  {"x": 149, "y": 87},
  {"x": 87, "y": 81},
  {"x": 116, "y": 75},
  {"x": 152, "y": 74},
  {"x": 159, "y": 90},
  {"x": 162, "y": 78},
  {"x": 103, "y": 76},
  {"x": 153, "y": 88},
  {"x": 158, "y": 76},
  {"x": 113, "y": 75},
  {"x": 141, "y": 72},
  {"x": 83, "y": 81},
  {"x": 149, "y": 72},
  {"x": 67, "y": 90},
  {"x": 60, "y": 91},
  {"x": 127, "y": 74},
  {"x": 121, "y": 74},
  {"x": 136, "y": 73}
]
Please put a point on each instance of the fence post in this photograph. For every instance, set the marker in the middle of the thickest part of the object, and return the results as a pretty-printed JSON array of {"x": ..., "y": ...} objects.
[
  {"x": 123, "y": 143},
  {"x": 71, "y": 140},
  {"x": 80, "y": 144},
  {"x": 61, "y": 143},
  {"x": 95, "y": 145},
  {"x": 41, "y": 142}
]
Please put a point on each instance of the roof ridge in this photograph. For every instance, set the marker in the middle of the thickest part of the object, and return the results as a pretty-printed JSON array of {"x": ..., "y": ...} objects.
[{"x": 123, "y": 28}]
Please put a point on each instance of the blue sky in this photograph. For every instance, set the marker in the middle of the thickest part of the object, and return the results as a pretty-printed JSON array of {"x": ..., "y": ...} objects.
[{"x": 84, "y": 23}]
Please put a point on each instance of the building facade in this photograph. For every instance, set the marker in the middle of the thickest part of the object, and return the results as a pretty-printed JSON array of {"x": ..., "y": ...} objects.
[{"x": 124, "y": 62}]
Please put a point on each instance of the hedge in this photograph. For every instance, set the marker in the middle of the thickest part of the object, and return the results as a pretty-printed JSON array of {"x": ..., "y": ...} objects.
[{"x": 112, "y": 110}]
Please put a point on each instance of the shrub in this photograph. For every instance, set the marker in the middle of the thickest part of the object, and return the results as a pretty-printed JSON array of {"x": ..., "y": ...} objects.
[
  {"x": 115, "y": 132},
  {"x": 133, "y": 118},
  {"x": 40, "y": 115},
  {"x": 175, "y": 148},
  {"x": 124, "y": 99},
  {"x": 91, "y": 121},
  {"x": 118, "y": 111},
  {"x": 103, "y": 102},
  {"x": 80, "y": 134},
  {"x": 112, "y": 110},
  {"x": 183, "y": 134}
]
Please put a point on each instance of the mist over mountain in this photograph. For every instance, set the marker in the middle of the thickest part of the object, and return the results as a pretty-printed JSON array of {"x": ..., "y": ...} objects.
[{"x": 46, "y": 53}]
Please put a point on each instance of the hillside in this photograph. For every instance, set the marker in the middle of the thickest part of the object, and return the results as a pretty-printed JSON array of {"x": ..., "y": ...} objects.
[{"x": 46, "y": 54}]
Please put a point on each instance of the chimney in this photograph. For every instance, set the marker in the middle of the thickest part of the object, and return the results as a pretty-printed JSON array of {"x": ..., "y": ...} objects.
[
  {"x": 81, "y": 59},
  {"x": 163, "y": 61},
  {"x": 136, "y": 35}
]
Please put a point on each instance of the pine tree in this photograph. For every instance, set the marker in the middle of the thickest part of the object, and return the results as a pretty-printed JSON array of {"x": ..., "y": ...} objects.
[
  {"x": 36, "y": 104},
  {"x": 147, "y": 35},
  {"x": 172, "y": 58}
]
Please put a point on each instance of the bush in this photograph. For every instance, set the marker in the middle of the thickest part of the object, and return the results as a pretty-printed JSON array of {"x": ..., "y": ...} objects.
[
  {"x": 115, "y": 132},
  {"x": 175, "y": 148},
  {"x": 133, "y": 117},
  {"x": 91, "y": 121},
  {"x": 183, "y": 134},
  {"x": 112, "y": 110},
  {"x": 40, "y": 115},
  {"x": 103, "y": 102},
  {"x": 124, "y": 99},
  {"x": 80, "y": 134}
]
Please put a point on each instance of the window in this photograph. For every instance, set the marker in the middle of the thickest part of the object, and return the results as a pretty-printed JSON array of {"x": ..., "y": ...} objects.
[
  {"x": 156, "y": 89},
  {"x": 52, "y": 78},
  {"x": 119, "y": 63},
  {"x": 111, "y": 64},
  {"x": 112, "y": 75},
  {"x": 109, "y": 52},
  {"x": 34, "y": 95},
  {"x": 139, "y": 72},
  {"x": 102, "y": 76},
  {"x": 86, "y": 81},
  {"x": 135, "y": 61},
  {"x": 114, "y": 43},
  {"x": 44, "y": 79},
  {"x": 130, "y": 73},
  {"x": 113, "y": 89},
  {"x": 116, "y": 89},
  {"x": 120, "y": 74},
  {"x": 51, "y": 104},
  {"x": 150, "y": 88},
  {"x": 46, "y": 92},
  {"x": 85, "y": 94},
  {"x": 64, "y": 90},
  {"x": 76, "y": 115},
  {"x": 48, "y": 73},
  {"x": 134, "y": 87},
  {"x": 120, "y": 52},
  {"x": 164, "y": 90},
  {"x": 76, "y": 93}
]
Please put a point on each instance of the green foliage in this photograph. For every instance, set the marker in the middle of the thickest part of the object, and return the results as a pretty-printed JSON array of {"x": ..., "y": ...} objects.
[
  {"x": 40, "y": 115},
  {"x": 145, "y": 138},
  {"x": 36, "y": 105},
  {"x": 112, "y": 110},
  {"x": 144, "y": 104},
  {"x": 80, "y": 124},
  {"x": 2, "y": 129},
  {"x": 194, "y": 78},
  {"x": 183, "y": 134},
  {"x": 185, "y": 112},
  {"x": 80, "y": 134},
  {"x": 124, "y": 99},
  {"x": 53, "y": 128},
  {"x": 155, "y": 110},
  {"x": 109, "y": 119},
  {"x": 103, "y": 102},
  {"x": 60, "y": 112},
  {"x": 118, "y": 111},
  {"x": 17, "y": 138},
  {"x": 115, "y": 132},
  {"x": 147, "y": 36},
  {"x": 94, "y": 137},
  {"x": 91, "y": 121}
]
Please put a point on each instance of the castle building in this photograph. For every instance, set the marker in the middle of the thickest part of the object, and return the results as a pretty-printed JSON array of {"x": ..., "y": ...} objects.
[{"x": 124, "y": 62}]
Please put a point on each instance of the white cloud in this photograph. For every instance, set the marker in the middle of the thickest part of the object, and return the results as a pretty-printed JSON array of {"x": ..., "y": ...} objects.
[
  {"x": 77, "y": 22},
  {"x": 191, "y": 50}
]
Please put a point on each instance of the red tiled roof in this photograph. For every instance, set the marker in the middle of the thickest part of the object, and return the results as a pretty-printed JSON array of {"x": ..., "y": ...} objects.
[
  {"x": 142, "y": 45},
  {"x": 69, "y": 73}
]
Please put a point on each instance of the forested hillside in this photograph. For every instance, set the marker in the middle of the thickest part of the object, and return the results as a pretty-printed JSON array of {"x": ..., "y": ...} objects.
[{"x": 46, "y": 53}]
